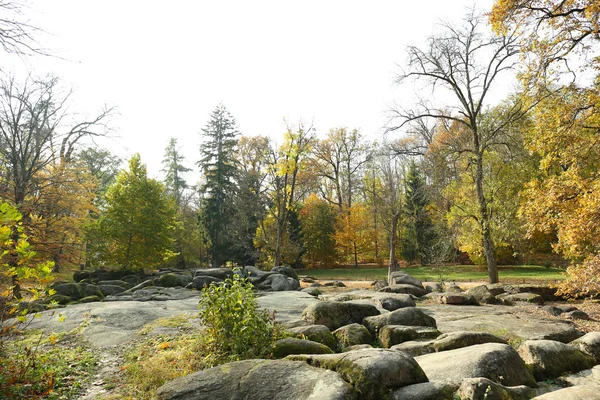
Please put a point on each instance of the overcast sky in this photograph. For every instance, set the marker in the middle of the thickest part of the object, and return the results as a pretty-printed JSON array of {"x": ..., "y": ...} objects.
[{"x": 167, "y": 64}]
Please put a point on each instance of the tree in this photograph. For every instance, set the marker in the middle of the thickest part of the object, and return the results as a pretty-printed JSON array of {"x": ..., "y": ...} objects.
[
  {"x": 285, "y": 165},
  {"x": 466, "y": 62},
  {"x": 16, "y": 35},
  {"x": 136, "y": 229},
  {"x": 317, "y": 221},
  {"x": 354, "y": 234},
  {"x": 103, "y": 165},
  {"x": 418, "y": 228},
  {"x": 218, "y": 165}
]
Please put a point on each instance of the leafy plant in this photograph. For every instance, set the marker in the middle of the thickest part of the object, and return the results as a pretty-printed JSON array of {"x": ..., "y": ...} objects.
[{"x": 236, "y": 328}]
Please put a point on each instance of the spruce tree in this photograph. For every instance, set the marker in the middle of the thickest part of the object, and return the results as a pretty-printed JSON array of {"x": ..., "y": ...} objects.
[{"x": 218, "y": 165}]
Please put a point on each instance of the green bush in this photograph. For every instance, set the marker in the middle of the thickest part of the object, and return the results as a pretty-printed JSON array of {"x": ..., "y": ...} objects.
[{"x": 236, "y": 328}]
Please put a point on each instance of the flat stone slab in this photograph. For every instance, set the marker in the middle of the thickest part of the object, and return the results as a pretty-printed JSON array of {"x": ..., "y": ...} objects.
[{"x": 503, "y": 321}]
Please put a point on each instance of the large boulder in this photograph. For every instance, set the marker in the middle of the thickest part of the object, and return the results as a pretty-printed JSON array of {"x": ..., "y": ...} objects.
[
  {"x": 91, "y": 290},
  {"x": 404, "y": 288},
  {"x": 401, "y": 277},
  {"x": 117, "y": 282},
  {"x": 409, "y": 316},
  {"x": 457, "y": 340},
  {"x": 287, "y": 346},
  {"x": 173, "y": 280},
  {"x": 390, "y": 335},
  {"x": 259, "y": 380},
  {"x": 287, "y": 271},
  {"x": 278, "y": 283},
  {"x": 201, "y": 281},
  {"x": 69, "y": 289},
  {"x": 482, "y": 294},
  {"x": 589, "y": 344},
  {"x": 572, "y": 393},
  {"x": 80, "y": 275},
  {"x": 335, "y": 314},
  {"x": 547, "y": 292},
  {"x": 425, "y": 391},
  {"x": 313, "y": 291},
  {"x": 374, "y": 373},
  {"x": 550, "y": 359},
  {"x": 485, "y": 389},
  {"x": 495, "y": 361},
  {"x": 415, "y": 348},
  {"x": 508, "y": 298},
  {"x": 316, "y": 333},
  {"x": 219, "y": 273},
  {"x": 352, "y": 335},
  {"x": 393, "y": 303},
  {"x": 457, "y": 299},
  {"x": 108, "y": 290}
]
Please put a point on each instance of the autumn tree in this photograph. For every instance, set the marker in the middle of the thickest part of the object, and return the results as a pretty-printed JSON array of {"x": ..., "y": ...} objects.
[
  {"x": 136, "y": 228},
  {"x": 218, "y": 165},
  {"x": 465, "y": 62},
  {"x": 102, "y": 164},
  {"x": 354, "y": 233},
  {"x": 317, "y": 221}
]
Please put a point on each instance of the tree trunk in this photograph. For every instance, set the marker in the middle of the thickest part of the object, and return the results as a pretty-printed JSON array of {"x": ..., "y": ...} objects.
[
  {"x": 393, "y": 266},
  {"x": 484, "y": 221},
  {"x": 355, "y": 255}
]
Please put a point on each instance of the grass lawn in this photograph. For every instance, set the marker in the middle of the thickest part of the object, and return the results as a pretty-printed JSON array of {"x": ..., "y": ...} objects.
[{"x": 459, "y": 273}]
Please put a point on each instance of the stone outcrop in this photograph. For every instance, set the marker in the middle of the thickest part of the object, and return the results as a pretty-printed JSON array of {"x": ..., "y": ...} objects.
[
  {"x": 335, "y": 314},
  {"x": 410, "y": 316}
]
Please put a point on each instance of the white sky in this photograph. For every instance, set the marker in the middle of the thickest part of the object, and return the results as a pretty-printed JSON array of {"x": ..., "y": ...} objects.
[{"x": 167, "y": 64}]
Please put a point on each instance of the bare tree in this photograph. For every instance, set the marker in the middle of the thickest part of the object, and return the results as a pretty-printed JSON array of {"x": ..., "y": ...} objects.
[
  {"x": 466, "y": 62},
  {"x": 16, "y": 33}
]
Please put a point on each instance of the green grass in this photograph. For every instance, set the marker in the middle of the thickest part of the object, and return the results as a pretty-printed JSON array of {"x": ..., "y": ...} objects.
[{"x": 462, "y": 273}]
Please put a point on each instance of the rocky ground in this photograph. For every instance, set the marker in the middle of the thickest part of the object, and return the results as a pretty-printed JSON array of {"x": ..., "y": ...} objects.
[{"x": 445, "y": 345}]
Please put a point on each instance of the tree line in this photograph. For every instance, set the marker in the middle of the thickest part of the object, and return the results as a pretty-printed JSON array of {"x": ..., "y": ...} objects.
[{"x": 461, "y": 176}]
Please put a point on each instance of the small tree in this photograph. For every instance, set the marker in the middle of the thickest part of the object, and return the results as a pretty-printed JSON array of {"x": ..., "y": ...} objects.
[
  {"x": 136, "y": 229},
  {"x": 317, "y": 221}
]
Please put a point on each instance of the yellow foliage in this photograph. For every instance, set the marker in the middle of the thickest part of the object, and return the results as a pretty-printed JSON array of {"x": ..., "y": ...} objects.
[{"x": 354, "y": 231}]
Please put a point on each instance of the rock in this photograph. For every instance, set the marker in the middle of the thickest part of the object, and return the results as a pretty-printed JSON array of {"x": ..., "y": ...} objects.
[
  {"x": 219, "y": 273},
  {"x": 90, "y": 299},
  {"x": 425, "y": 391},
  {"x": 547, "y": 292},
  {"x": 378, "y": 284},
  {"x": 458, "y": 299},
  {"x": 399, "y": 277},
  {"x": 259, "y": 380},
  {"x": 415, "y": 348},
  {"x": 145, "y": 284},
  {"x": 373, "y": 373},
  {"x": 278, "y": 283},
  {"x": 356, "y": 347},
  {"x": 456, "y": 340},
  {"x": 572, "y": 393},
  {"x": 582, "y": 378},
  {"x": 485, "y": 389},
  {"x": 80, "y": 275},
  {"x": 482, "y": 294},
  {"x": 132, "y": 280},
  {"x": 403, "y": 288},
  {"x": 552, "y": 310},
  {"x": 315, "y": 284},
  {"x": 453, "y": 289},
  {"x": 173, "y": 280},
  {"x": 117, "y": 282},
  {"x": 589, "y": 344},
  {"x": 307, "y": 279},
  {"x": 550, "y": 359},
  {"x": 72, "y": 290},
  {"x": 201, "y": 281},
  {"x": 287, "y": 346},
  {"x": 569, "y": 308},
  {"x": 577, "y": 314},
  {"x": 334, "y": 314},
  {"x": 316, "y": 333},
  {"x": 495, "y": 361},
  {"x": 31, "y": 307},
  {"x": 91, "y": 290},
  {"x": 287, "y": 271},
  {"x": 352, "y": 335},
  {"x": 335, "y": 284},
  {"x": 390, "y": 335},
  {"x": 156, "y": 293},
  {"x": 110, "y": 289},
  {"x": 313, "y": 291},
  {"x": 507, "y": 299},
  {"x": 396, "y": 302},
  {"x": 496, "y": 289},
  {"x": 58, "y": 299},
  {"x": 409, "y": 316}
]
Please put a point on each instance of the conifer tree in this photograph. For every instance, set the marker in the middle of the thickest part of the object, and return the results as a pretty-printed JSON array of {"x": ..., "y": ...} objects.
[{"x": 218, "y": 164}]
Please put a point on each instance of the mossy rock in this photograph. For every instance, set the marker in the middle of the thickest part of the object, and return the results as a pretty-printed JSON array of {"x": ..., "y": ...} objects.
[
  {"x": 352, "y": 335},
  {"x": 173, "y": 280},
  {"x": 316, "y": 333},
  {"x": 90, "y": 299},
  {"x": 116, "y": 282},
  {"x": 288, "y": 346},
  {"x": 335, "y": 314},
  {"x": 456, "y": 340},
  {"x": 58, "y": 298},
  {"x": 91, "y": 290},
  {"x": 69, "y": 289},
  {"x": 390, "y": 335}
]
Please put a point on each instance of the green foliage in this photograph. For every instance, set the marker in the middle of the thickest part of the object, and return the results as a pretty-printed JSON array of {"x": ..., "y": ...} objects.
[
  {"x": 236, "y": 328},
  {"x": 136, "y": 230},
  {"x": 218, "y": 165},
  {"x": 317, "y": 220}
]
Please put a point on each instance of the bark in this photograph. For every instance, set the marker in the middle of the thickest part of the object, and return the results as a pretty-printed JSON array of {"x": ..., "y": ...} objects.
[
  {"x": 484, "y": 221},
  {"x": 393, "y": 266}
]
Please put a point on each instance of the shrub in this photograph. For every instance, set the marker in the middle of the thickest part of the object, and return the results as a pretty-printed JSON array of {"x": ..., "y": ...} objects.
[
  {"x": 582, "y": 279},
  {"x": 236, "y": 328}
]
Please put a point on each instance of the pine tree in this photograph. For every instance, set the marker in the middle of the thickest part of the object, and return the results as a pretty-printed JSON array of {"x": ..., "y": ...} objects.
[
  {"x": 418, "y": 228},
  {"x": 217, "y": 162}
]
